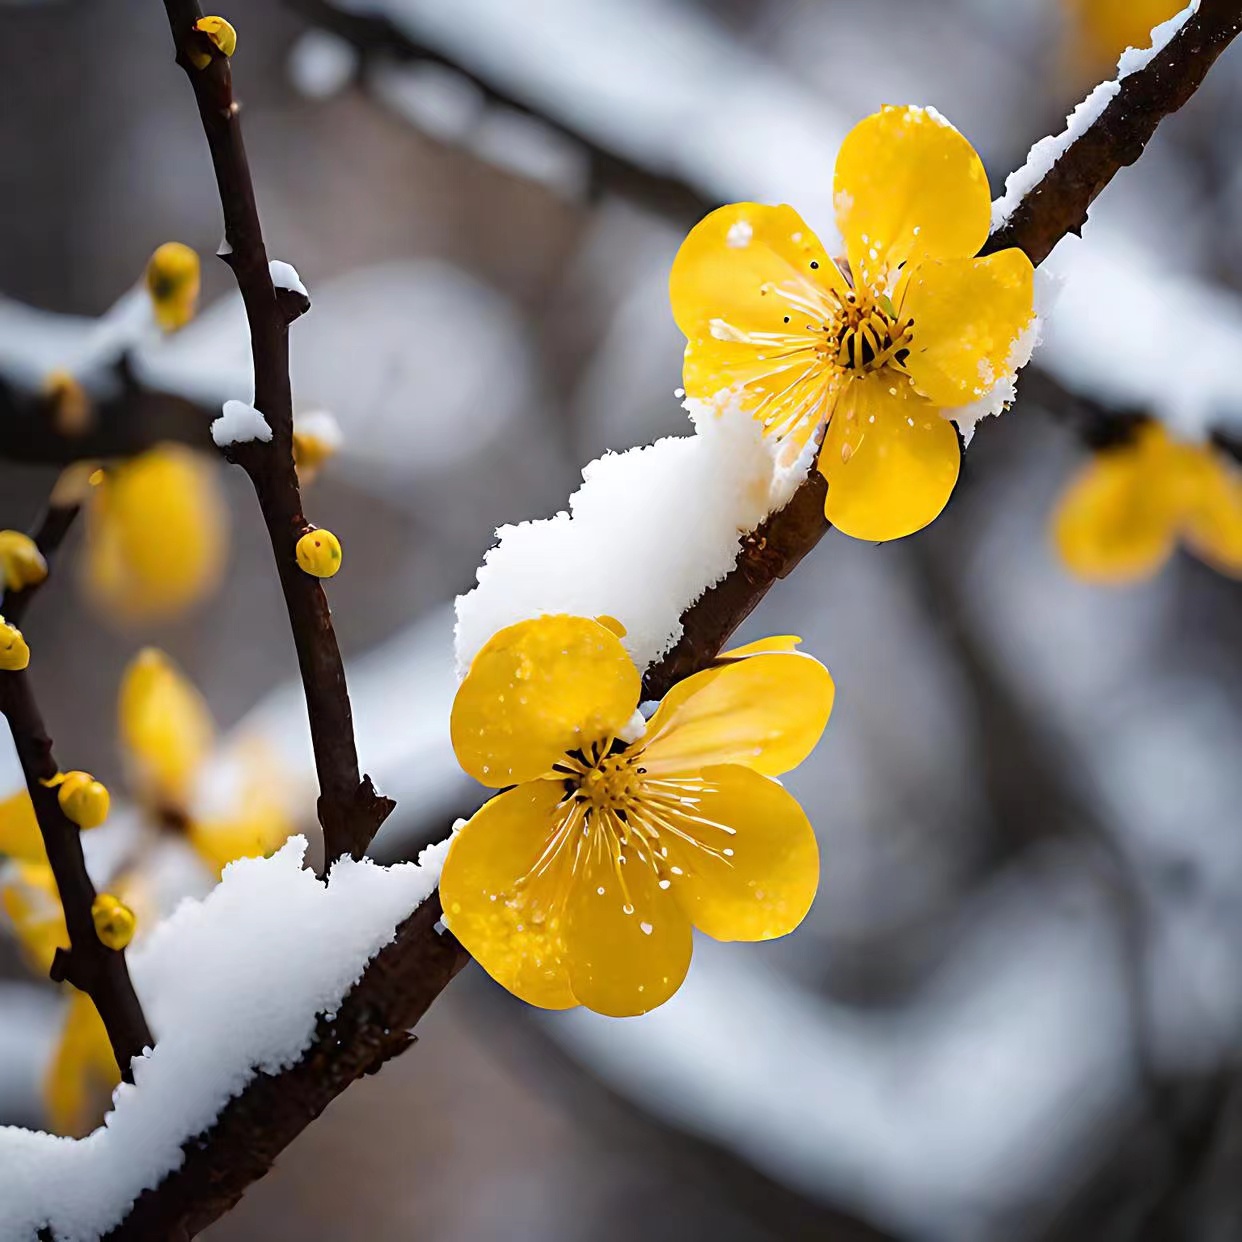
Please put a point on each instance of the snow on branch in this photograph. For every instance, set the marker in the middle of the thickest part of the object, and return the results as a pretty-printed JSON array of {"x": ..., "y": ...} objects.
[{"x": 270, "y": 942}]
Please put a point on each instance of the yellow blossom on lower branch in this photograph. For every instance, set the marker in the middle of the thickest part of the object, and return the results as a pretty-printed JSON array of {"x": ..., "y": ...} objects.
[
  {"x": 870, "y": 350},
  {"x": 580, "y": 885},
  {"x": 1128, "y": 508}
]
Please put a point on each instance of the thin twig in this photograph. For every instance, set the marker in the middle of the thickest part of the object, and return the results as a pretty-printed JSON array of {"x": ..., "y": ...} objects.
[
  {"x": 401, "y": 982},
  {"x": 88, "y": 964},
  {"x": 57, "y": 520},
  {"x": 350, "y": 810}
]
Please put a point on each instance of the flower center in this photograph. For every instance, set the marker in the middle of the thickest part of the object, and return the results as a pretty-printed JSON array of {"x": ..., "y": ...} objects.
[
  {"x": 865, "y": 333},
  {"x": 602, "y": 777}
]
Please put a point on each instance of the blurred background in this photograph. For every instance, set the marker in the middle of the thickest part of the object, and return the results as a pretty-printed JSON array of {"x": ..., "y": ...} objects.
[{"x": 1015, "y": 1011}]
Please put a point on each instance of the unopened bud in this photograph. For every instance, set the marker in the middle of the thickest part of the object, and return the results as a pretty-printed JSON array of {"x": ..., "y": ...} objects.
[
  {"x": 222, "y": 36},
  {"x": 71, "y": 407},
  {"x": 14, "y": 654},
  {"x": 21, "y": 563},
  {"x": 316, "y": 439},
  {"x": 173, "y": 281},
  {"x": 114, "y": 921},
  {"x": 83, "y": 799},
  {"x": 319, "y": 553}
]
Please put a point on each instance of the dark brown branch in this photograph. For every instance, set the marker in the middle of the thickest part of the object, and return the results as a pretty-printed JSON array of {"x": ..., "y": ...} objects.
[
  {"x": 1059, "y": 203},
  {"x": 88, "y": 964},
  {"x": 349, "y": 808},
  {"x": 122, "y": 425},
  {"x": 400, "y": 984}
]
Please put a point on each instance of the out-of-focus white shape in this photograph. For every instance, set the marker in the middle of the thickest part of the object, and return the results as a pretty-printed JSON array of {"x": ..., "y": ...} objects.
[
  {"x": 1048, "y": 150},
  {"x": 29, "y": 1018},
  {"x": 402, "y": 693},
  {"x": 657, "y": 83},
  {"x": 438, "y": 100},
  {"x": 33, "y": 342},
  {"x": 285, "y": 276},
  {"x": 927, "y": 1115},
  {"x": 422, "y": 365},
  {"x": 645, "y": 535},
  {"x": 239, "y": 423},
  {"x": 525, "y": 145},
  {"x": 233, "y": 984},
  {"x": 12, "y": 779},
  {"x": 322, "y": 64},
  {"x": 1132, "y": 332},
  {"x": 321, "y": 425}
]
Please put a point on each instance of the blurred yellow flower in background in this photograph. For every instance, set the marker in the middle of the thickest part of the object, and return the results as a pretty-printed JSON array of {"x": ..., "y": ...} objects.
[
  {"x": 173, "y": 280},
  {"x": 874, "y": 345},
  {"x": 1121, "y": 517},
  {"x": 82, "y": 1074},
  {"x": 167, "y": 738},
  {"x": 156, "y": 535},
  {"x": 580, "y": 885},
  {"x": 1100, "y": 30}
]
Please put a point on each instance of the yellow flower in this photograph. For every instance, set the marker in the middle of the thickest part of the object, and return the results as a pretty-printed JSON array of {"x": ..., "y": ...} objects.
[
  {"x": 31, "y": 901},
  {"x": 1105, "y": 28},
  {"x": 876, "y": 344},
  {"x": 21, "y": 563},
  {"x": 114, "y": 921},
  {"x": 318, "y": 553},
  {"x": 1121, "y": 518},
  {"x": 14, "y": 651},
  {"x": 83, "y": 1072},
  {"x": 580, "y": 885},
  {"x": 167, "y": 736},
  {"x": 156, "y": 535},
  {"x": 173, "y": 282},
  {"x": 20, "y": 837}
]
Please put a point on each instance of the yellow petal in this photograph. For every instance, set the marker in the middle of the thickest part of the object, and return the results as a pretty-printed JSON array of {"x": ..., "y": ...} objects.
[
  {"x": 778, "y": 642},
  {"x": 751, "y": 288},
  {"x": 83, "y": 1072},
  {"x": 156, "y": 536},
  {"x": 32, "y": 903},
  {"x": 510, "y": 919},
  {"x": 166, "y": 729},
  {"x": 907, "y": 187},
  {"x": 968, "y": 315},
  {"x": 20, "y": 837},
  {"x": 627, "y": 941},
  {"x": 1213, "y": 525},
  {"x": 536, "y": 690},
  {"x": 1117, "y": 520},
  {"x": 890, "y": 460},
  {"x": 764, "y": 884},
  {"x": 766, "y": 711}
]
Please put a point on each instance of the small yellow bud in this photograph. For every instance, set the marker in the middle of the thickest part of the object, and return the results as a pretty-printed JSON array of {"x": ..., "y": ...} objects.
[
  {"x": 114, "y": 921},
  {"x": 71, "y": 407},
  {"x": 220, "y": 33},
  {"x": 21, "y": 562},
  {"x": 14, "y": 654},
  {"x": 319, "y": 553},
  {"x": 83, "y": 799},
  {"x": 173, "y": 281}
]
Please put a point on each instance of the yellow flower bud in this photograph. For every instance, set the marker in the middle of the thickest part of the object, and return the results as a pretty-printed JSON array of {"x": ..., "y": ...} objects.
[
  {"x": 173, "y": 281},
  {"x": 14, "y": 654},
  {"x": 83, "y": 799},
  {"x": 71, "y": 407},
  {"x": 114, "y": 921},
  {"x": 319, "y": 553},
  {"x": 21, "y": 562},
  {"x": 220, "y": 33}
]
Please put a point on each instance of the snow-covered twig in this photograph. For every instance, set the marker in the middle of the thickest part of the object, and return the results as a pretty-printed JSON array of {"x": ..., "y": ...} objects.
[
  {"x": 90, "y": 965},
  {"x": 350, "y": 810}
]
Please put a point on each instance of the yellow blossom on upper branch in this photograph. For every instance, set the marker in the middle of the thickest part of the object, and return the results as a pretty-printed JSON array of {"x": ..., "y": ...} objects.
[
  {"x": 21, "y": 563},
  {"x": 1103, "y": 29},
  {"x": 876, "y": 344},
  {"x": 1128, "y": 508},
  {"x": 580, "y": 885},
  {"x": 14, "y": 651},
  {"x": 156, "y": 535},
  {"x": 174, "y": 280}
]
